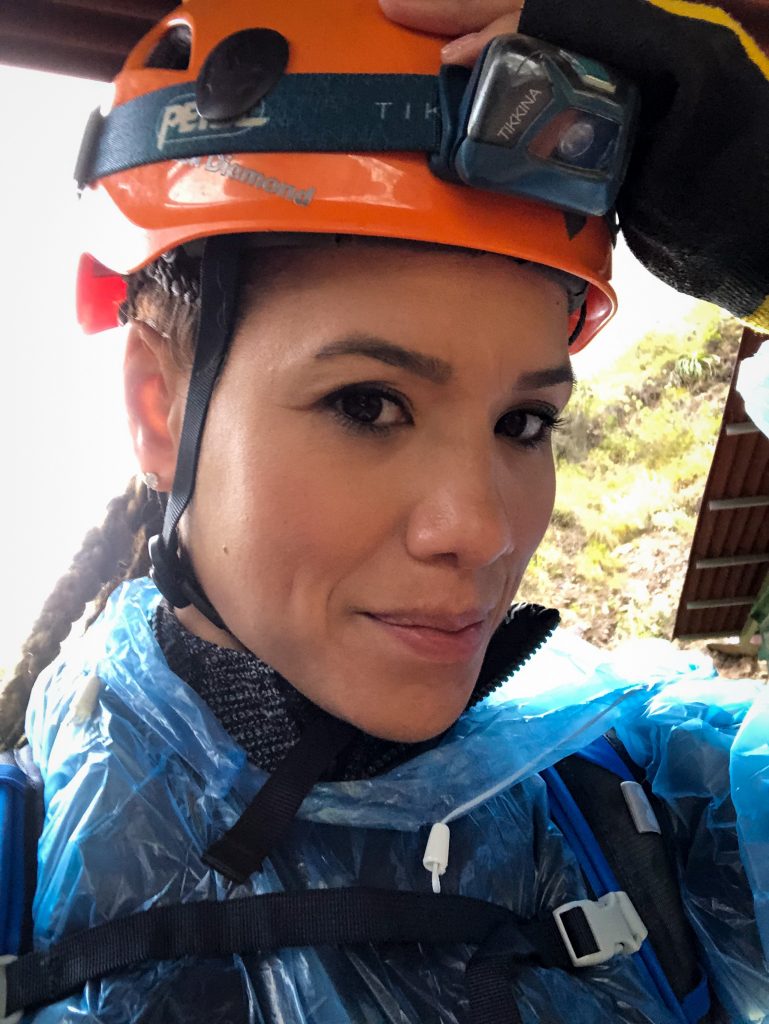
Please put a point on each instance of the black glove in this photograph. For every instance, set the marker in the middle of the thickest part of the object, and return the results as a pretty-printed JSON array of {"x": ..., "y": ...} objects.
[{"x": 694, "y": 208}]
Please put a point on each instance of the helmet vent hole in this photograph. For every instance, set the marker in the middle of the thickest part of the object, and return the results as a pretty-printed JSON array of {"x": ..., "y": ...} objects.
[{"x": 173, "y": 50}]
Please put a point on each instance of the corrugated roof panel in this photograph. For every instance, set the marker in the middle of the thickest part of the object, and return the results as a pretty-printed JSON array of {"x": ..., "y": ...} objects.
[{"x": 740, "y": 470}]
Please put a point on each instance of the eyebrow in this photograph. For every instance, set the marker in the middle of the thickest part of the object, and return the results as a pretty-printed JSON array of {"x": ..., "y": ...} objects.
[
  {"x": 431, "y": 368},
  {"x": 563, "y": 374}
]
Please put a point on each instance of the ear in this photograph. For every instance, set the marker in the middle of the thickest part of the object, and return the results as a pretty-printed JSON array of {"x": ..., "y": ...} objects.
[{"x": 155, "y": 392}]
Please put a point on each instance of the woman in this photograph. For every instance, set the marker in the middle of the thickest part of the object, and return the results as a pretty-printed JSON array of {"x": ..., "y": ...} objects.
[{"x": 347, "y": 392}]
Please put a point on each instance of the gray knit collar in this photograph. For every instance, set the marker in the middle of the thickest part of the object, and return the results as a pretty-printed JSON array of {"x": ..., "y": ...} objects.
[{"x": 266, "y": 715}]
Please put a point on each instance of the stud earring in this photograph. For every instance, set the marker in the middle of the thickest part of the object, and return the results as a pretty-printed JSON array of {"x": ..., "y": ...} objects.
[{"x": 151, "y": 480}]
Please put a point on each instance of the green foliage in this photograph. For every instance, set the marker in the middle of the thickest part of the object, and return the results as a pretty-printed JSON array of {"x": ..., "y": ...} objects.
[
  {"x": 632, "y": 463},
  {"x": 694, "y": 368}
]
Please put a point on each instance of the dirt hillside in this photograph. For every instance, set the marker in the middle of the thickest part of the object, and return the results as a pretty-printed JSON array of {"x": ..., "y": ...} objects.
[{"x": 633, "y": 459}]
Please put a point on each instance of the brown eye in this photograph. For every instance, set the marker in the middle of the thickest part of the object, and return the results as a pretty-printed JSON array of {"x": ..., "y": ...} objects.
[
  {"x": 528, "y": 427},
  {"x": 369, "y": 408},
  {"x": 363, "y": 406},
  {"x": 522, "y": 425}
]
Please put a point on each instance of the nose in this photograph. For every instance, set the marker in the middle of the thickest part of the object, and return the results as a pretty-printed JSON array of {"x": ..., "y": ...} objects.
[{"x": 465, "y": 510}]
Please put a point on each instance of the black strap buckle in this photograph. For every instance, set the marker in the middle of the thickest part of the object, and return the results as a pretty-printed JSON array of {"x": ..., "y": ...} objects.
[
  {"x": 84, "y": 162},
  {"x": 166, "y": 573}
]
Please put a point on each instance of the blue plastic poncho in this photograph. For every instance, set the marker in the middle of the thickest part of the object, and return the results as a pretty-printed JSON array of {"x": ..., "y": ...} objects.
[
  {"x": 753, "y": 385},
  {"x": 140, "y": 778}
]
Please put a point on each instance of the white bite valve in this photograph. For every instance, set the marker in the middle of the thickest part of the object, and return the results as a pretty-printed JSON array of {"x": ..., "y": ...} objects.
[{"x": 436, "y": 858}]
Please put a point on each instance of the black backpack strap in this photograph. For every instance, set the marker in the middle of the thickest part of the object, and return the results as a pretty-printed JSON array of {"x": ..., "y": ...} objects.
[
  {"x": 315, "y": 917},
  {"x": 242, "y": 849},
  {"x": 624, "y": 818}
]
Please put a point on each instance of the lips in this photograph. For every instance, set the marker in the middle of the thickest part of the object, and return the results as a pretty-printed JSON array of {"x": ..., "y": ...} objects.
[
  {"x": 446, "y": 622},
  {"x": 437, "y": 636}
]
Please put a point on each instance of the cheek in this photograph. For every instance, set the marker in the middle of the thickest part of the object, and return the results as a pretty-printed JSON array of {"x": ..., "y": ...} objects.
[
  {"x": 534, "y": 497},
  {"x": 294, "y": 516},
  {"x": 547, "y": 499}
]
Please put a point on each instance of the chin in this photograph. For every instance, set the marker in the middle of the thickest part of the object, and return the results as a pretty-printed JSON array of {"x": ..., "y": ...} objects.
[
  {"x": 418, "y": 707},
  {"x": 413, "y": 734},
  {"x": 409, "y": 727}
]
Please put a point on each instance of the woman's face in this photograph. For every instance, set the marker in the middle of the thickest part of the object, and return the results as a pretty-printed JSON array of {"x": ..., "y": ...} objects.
[{"x": 376, "y": 472}]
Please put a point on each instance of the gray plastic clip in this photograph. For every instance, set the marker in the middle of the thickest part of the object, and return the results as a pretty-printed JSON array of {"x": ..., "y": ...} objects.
[
  {"x": 644, "y": 818},
  {"x": 12, "y": 1018}
]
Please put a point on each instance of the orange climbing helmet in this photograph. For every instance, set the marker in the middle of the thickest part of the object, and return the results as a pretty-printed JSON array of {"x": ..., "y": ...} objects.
[{"x": 195, "y": 144}]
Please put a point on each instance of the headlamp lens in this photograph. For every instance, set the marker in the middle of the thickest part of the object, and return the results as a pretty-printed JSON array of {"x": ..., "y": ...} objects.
[{"x": 578, "y": 139}]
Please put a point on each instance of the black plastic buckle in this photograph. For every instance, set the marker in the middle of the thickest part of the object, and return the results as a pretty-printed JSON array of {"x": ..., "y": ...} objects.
[
  {"x": 167, "y": 573},
  {"x": 88, "y": 144}
]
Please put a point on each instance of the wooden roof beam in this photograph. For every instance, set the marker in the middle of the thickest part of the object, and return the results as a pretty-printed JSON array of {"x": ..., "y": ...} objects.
[
  {"x": 143, "y": 10},
  {"x": 67, "y": 27},
  {"x": 39, "y": 55}
]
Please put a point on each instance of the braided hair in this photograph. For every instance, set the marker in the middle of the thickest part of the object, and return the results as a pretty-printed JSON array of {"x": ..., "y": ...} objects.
[
  {"x": 166, "y": 296},
  {"x": 110, "y": 553}
]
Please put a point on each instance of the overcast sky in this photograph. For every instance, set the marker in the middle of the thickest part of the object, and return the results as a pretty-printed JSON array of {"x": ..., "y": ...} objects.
[{"x": 64, "y": 451}]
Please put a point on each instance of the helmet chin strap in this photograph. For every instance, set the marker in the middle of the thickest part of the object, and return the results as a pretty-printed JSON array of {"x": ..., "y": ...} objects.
[{"x": 171, "y": 572}]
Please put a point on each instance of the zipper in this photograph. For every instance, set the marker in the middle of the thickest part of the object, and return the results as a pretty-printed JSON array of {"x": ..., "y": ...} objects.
[{"x": 524, "y": 631}]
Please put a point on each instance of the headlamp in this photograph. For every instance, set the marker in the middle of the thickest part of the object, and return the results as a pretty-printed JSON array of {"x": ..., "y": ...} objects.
[{"x": 536, "y": 121}]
